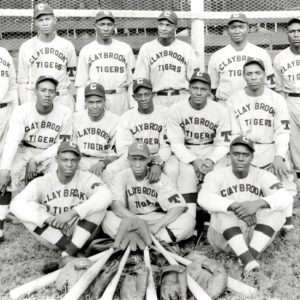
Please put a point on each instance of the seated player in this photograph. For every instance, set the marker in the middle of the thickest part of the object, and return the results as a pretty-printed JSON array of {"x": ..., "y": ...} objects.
[
  {"x": 243, "y": 199},
  {"x": 62, "y": 209},
  {"x": 165, "y": 210},
  {"x": 35, "y": 130},
  {"x": 94, "y": 131}
]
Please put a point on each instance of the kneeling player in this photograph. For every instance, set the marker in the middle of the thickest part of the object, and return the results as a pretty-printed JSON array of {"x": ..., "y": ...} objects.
[
  {"x": 63, "y": 208},
  {"x": 165, "y": 210},
  {"x": 243, "y": 199}
]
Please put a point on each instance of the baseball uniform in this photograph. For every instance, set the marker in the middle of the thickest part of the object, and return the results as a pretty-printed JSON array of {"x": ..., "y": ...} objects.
[
  {"x": 148, "y": 201},
  {"x": 220, "y": 189},
  {"x": 225, "y": 68},
  {"x": 56, "y": 59},
  {"x": 46, "y": 196},
  {"x": 169, "y": 69},
  {"x": 111, "y": 66},
  {"x": 193, "y": 134},
  {"x": 38, "y": 136}
]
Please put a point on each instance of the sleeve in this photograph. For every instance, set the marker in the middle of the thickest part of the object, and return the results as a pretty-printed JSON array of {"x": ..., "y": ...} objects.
[
  {"x": 278, "y": 76},
  {"x": 269, "y": 71},
  {"x": 209, "y": 196},
  {"x": 26, "y": 205},
  {"x": 177, "y": 138},
  {"x": 164, "y": 144},
  {"x": 234, "y": 123},
  {"x": 168, "y": 196},
  {"x": 12, "y": 94},
  {"x": 142, "y": 67},
  {"x": 276, "y": 195},
  {"x": 112, "y": 143},
  {"x": 118, "y": 187},
  {"x": 131, "y": 62},
  {"x": 82, "y": 75},
  {"x": 22, "y": 76},
  {"x": 14, "y": 137},
  {"x": 281, "y": 127},
  {"x": 213, "y": 72},
  {"x": 72, "y": 61},
  {"x": 192, "y": 63}
]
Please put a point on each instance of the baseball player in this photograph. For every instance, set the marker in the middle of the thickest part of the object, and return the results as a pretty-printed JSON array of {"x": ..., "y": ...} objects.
[
  {"x": 287, "y": 78},
  {"x": 225, "y": 66},
  {"x": 35, "y": 129},
  {"x": 243, "y": 199},
  {"x": 106, "y": 61},
  {"x": 169, "y": 217},
  {"x": 63, "y": 208},
  {"x": 145, "y": 123},
  {"x": 199, "y": 132},
  {"x": 261, "y": 115},
  {"x": 167, "y": 62},
  {"x": 46, "y": 54},
  {"x": 94, "y": 130}
]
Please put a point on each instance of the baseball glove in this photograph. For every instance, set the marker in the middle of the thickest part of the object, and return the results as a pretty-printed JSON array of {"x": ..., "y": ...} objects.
[
  {"x": 173, "y": 283},
  {"x": 208, "y": 273},
  {"x": 135, "y": 283}
]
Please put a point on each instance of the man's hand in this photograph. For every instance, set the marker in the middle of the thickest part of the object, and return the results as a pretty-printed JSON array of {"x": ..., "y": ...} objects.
[
  {"x": 250, "y": 220},
  {"x": 31, "y": 171},
  {"x": 206, "y": 166},
  {"x": 61, "y": 221},
  {"x": 98, "y": 168},
  {"x": 279, "y": 168},
  {"x": 247, "y": 208},
  {"x": 154, "y": 173},
  {"x": 4, "y": 180},
  {"x": 197, "y": 163}
]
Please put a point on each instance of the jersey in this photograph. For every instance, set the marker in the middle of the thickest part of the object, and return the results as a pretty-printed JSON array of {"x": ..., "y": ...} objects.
[
  {"x": 225, "y": 68},
  {"x": 190, "y": 130},
  {"x": 167, "y": 67},
  {"x": 147, "y": 128},
  {"x": 42, "y": 131},
  {"x": 287, "y": 71},
  {"x": 56, "y": 59},
  {"x": 80, "y": 193},
  {"x": 263, "y": 119},
  {"x": 95, "y": 138},
  {"x": 141, "y": 197}
]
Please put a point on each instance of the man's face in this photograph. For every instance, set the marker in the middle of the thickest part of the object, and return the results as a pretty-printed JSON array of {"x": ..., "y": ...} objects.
[
  {"x": 199, "y": 92},
  {"x": 95, "y": 105},
  {"x": 67, "y": 163},
  {"x": 166, "y": 29},
  {"x": 144, "y": 97},
  {"x": 237, "y": 31},
  {"x": 241, "y": 157},
  {"x": 105, "y": 28},
  {"x": 254, "y": 76},
  {"x": 46, "y": 24},
  {"x": 45, "y": 93},
  {"x": 293, "y": 34},
  {"x": 138, "y": 164}
]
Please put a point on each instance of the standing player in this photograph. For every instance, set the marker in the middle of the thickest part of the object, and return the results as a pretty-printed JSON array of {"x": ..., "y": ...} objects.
[
  {"x": 63, "y": 208},
  {"x": 225, "y": 66},
  {"x": 261, "y": 115},
  {"x": 46, "y": 54},
  {"x": 287, "y": 77},
  {"x": 35, "y": 129},
  {"x": 199, "y": 132},
  {"x": 94, "y": 130},
  {"x": 106, "y": 61},
  {"x": 241, "y": 196},
  {"x": 167, "y": 62}
]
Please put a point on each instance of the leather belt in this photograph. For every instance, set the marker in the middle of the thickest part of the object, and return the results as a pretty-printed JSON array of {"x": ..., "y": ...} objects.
[
  {"x": 207, "y": 143},
  {"x": 110, "y": 92},
  {"x": 168, "y": 93},
  {"x": 3, "y": 105},
  {"x": 25, "y": 144},
  {"x": 294, "y": 94}
]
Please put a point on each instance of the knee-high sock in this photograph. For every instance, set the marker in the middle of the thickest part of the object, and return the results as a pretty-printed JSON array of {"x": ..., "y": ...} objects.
[{"x": 4, "y": 204}]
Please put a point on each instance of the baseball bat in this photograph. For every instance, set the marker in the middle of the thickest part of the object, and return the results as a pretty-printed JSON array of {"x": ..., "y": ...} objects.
[
  {"x": 232, "y": 284},
  {"x": 111, "y": 288},
  {"x": 43, "y": 281},
  {"x": 151, "y": 291},
  {"x": 193, "y": 286},
  {"x": 82, "y": 284}
]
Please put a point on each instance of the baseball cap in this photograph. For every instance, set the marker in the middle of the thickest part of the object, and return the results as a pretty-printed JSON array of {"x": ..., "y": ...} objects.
[
  {"x": 46, "y": 78},
  {"x": 68, "y": 147},
  {"x": 42, "y": 9},
  {"x": 242, "y": 140},
  {"x": 139, "y": 148},
  {"x": 201, "y": 76},
  {"x": 240, "y": 17},
  {"x": 168, "y": 15},
  {"x": 293, "y": 20},
  {"x": 253, "y": 60},
  {"x": 104, "y": 14},
  {"x": 94, "y": 89},
  {"x": 141, "y": 82}
]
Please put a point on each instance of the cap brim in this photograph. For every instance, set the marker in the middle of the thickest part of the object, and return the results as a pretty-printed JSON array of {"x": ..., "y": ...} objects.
[
  {"x": 44, "y": 14},
  {"x": 105, "y": 17},
  {"x": 244, "y": 144},
  {"x": 142, "y": 85},
  {"x": 165, "y": 18},
  {"x": 55, "y": 82},
  {"x": 202, "y": 80},
  {"x": 293, "y": 20},
  {"x": 69, "y": 150},
  {"x": 237, "y": 20},
  {"x": 254, "y": 62},
  {"x": 138, "y": 154},
  {"x": 94, "y": 94}
]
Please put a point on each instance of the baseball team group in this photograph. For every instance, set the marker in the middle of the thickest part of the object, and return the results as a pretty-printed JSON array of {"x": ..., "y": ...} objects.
[{"x": 151, "y": 140}]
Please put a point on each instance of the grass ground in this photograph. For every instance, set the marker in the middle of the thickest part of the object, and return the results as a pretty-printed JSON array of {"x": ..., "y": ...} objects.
[{"x": 21, "y": 259}]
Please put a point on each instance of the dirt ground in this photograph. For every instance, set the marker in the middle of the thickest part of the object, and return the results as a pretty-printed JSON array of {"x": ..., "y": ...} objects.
[{"x": 21, "y": 259}]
